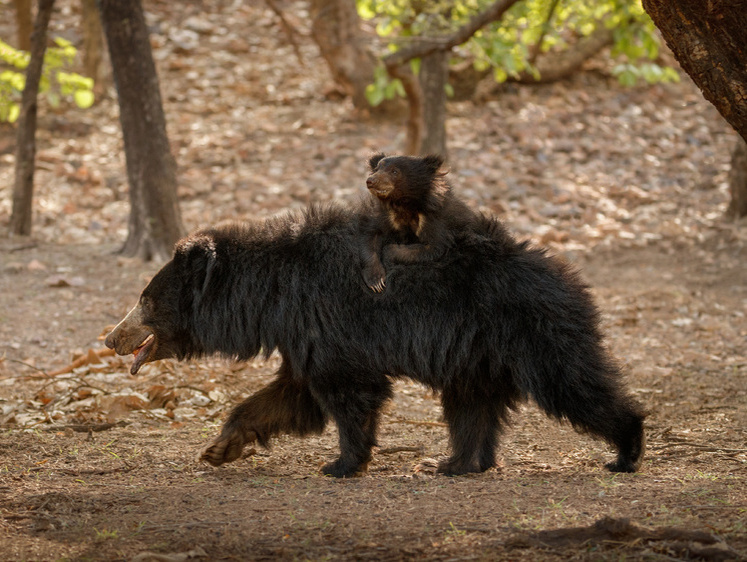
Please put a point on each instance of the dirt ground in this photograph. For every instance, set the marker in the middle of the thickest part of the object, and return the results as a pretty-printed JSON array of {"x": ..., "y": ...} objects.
[{"x": 630, "y": 184}]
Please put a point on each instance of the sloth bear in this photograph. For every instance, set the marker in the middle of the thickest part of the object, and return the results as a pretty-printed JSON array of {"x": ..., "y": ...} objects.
[
  {"x": 414, "y": 214},
  {"x": 493, "y": 323}
]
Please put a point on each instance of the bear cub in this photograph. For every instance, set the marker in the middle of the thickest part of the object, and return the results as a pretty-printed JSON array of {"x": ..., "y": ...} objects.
[{"x": 414, "y": 214}]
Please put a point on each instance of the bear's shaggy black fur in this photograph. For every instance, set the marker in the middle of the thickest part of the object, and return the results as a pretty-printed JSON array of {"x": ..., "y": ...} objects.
[
  {"x": 492, "y": 323},
  {"x": 413, "y": 217}
]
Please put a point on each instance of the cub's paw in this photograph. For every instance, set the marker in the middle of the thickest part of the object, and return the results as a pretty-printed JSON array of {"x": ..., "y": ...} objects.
[
  {"x": 375, "y": 277},
  {"x": 378, "y": 287},
  {"x": 223, "y": 449}
]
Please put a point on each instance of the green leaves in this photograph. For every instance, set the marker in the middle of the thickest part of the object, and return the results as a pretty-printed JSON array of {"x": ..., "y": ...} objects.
[
  {"x": 652, "y": 73},
  {"x": 383, "y": 87},
  {"x": 528, "y": 28},
  {"x": 56, "y": 84}
]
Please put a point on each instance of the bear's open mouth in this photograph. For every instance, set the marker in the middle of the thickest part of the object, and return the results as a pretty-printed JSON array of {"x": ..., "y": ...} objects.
[
  {"x": 380, "y": 192},
  {"x": 142, "y": 352}
]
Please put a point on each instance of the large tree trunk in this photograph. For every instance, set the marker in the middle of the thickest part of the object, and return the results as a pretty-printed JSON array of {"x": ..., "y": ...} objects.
[
  {"x": 709, "y": 40},
  {"x": 434, "y": 73},
  {"x": 23, "y": 23},
  {"x": 155, "y": 222},
  {"x": 23, "y": 189}
]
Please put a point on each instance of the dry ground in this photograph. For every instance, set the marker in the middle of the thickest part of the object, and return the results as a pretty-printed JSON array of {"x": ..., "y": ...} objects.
[{"x": 629, "y": 184}]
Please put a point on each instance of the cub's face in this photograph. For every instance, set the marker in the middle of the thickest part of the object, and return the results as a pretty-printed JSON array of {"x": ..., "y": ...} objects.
[{"x": 402, "y": 178}]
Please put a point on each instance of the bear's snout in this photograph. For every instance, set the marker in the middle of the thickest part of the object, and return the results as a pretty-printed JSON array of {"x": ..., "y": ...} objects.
[{"x": 129, "y": 334}]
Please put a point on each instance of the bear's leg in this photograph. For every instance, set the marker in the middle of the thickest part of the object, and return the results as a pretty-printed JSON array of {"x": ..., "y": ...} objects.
[
  {"x": 356, "y": 412},
  {"x": 600, "y": 406},
  {"x": 474, "y": 418},
  {"x": 283, "y": 406},
  {"x": 619, "y": 422},
  {"x": 631, "y": 444}
]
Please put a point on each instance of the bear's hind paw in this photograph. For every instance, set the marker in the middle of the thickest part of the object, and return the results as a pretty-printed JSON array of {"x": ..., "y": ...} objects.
[
  {"x": 622, "y": 465},
  {"x": 340, "y": 469}
]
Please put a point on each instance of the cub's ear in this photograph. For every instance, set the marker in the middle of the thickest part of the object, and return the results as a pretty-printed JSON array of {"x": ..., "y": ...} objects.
[
  {"x": 375, "y": 159},
  {"x": 433, "y": 162}
]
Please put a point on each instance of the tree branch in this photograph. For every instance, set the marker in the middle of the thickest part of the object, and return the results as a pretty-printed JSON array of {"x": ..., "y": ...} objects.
[
  {"x": 395, "y": 66},
  {"x": 426, "y": 46}
]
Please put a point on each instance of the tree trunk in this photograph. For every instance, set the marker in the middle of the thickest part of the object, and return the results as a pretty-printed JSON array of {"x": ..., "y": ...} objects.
[
  {"x": 23, "y": 23},
  {"x": 709, "y": 40},
  {"x": 396, "y": 67},
  {"x": 413, "y": 91},
  {"x": 434, "y": 71},
  {"x": 335, "y": 27},
  {"x": 738, "y": 181},
  {"x": 155, "y": 222},
  {"x": 93, "y": 46},
  {"x": 23, "y": 189}
]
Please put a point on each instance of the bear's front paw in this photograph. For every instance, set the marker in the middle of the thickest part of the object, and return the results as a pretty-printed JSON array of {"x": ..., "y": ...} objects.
[{"x": 224, "y": 448}]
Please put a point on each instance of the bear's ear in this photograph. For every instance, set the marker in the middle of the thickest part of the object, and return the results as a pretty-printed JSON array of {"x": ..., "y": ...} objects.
[
  {"x": 197, "y": 254},
  {"x": 375, "y": 159},
  {"x": 433, "y": 162}
]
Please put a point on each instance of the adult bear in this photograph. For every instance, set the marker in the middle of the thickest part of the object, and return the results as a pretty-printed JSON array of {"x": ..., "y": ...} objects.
[{"x": 491, "y": 323}]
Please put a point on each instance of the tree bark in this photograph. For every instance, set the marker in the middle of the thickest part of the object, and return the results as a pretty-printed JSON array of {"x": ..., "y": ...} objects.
[
  {"x": 710, "y": 43},
  {"x": 23, "y": 189},
  {"x": 434, "y": 73},
  {"x": 335, "y": 26},
  {"x": 395, "y": 66},
  {"x": 23, "y": 23},
  {"x": 155, "y": 222},
  {"x": 414, "y": 93},
  {"x": 93, "y": 46},
  {"x": 738, "y": 181}
]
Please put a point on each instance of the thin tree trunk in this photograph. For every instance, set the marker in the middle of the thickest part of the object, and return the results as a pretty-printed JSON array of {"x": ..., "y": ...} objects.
[
  {"x": 155, "y": 222},
  {"x": 738, "y": 181},
  {"x": 434, "y": 71},
  {"x": 93, "y": 46},
  {"x": 396, "y": 66},
  {"x": 23, "y": 189},
  {"x": 413, "y": 91},
  {"x": 23, "y": 23}
]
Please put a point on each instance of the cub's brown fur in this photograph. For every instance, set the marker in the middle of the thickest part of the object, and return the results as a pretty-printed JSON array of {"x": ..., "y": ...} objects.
[{"x": 413, "y": 217}]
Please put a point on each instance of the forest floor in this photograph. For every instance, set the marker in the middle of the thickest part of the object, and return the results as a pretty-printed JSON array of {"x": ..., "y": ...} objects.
[{"x": 628, "y": 183}]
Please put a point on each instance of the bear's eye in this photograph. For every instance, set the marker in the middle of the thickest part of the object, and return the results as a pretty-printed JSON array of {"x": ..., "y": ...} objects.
[{"x": 395, "y": 172}]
